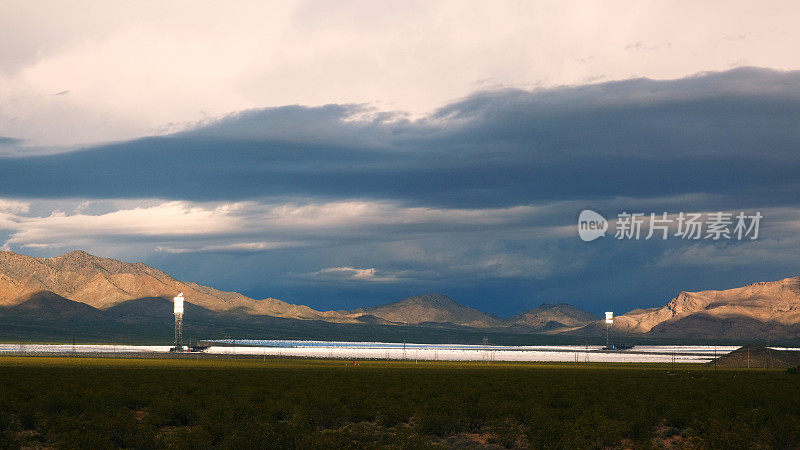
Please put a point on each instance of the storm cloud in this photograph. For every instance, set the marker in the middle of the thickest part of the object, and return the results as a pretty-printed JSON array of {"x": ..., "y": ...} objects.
[
  {"x": 733, "y": 133},
  {"x": 348, "y": 205}
]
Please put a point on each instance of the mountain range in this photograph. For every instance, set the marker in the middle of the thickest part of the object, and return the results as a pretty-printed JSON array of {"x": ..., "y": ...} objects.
[
  {"x": 80, "y": 291},
  {"x": 104, "y": 283},
  {"x": 761, "y": 310}
]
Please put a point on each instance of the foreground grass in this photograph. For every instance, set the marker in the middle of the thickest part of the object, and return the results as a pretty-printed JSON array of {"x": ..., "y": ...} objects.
[{"x": 87, "y": 402}]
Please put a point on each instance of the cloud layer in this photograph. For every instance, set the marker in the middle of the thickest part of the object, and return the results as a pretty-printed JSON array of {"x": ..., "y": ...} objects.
[
  {"x": 732, "y": 133},
  {"x": 347, "y": 205}
]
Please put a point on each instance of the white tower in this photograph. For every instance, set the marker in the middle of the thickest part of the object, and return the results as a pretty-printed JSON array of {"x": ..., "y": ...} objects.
[
  {"x": 178, "y": 301},
  {"x": 609, "y": 322}
]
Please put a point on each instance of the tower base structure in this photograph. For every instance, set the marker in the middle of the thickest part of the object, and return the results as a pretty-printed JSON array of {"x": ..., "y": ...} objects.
[{"x": 178, "y": 334}]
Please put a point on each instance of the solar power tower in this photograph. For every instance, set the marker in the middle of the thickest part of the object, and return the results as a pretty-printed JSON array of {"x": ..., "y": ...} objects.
[
  {"x": 609, "y": 322},
  {"x": 178, "y": 301}
]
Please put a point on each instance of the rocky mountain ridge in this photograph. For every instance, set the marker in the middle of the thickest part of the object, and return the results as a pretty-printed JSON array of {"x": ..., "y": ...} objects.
[
  {"x": 104, "y": 283},
  {"x": 761, "y": 309},
  {"x": 772, "y": 303}
]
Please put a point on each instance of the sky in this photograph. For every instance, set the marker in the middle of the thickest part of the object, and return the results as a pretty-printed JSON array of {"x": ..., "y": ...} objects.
[{"x": 346, "y": 154}]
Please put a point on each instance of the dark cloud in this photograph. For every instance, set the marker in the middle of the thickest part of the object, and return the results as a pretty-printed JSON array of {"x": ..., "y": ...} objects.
[
  {"x": 713, "y": 142},
  {"x": 9, "y": 141},
  {"x": 732, "y": 133}
]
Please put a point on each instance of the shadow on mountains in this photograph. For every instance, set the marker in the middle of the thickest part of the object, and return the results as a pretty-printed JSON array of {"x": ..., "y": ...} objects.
[
  {"x": 698, "y": 329},
  {"x": 47, "y": 317},
  {"x": 758, "y": 356},
  {"x": 704, "y": 326},
  {"x": 48, "y": 306}
]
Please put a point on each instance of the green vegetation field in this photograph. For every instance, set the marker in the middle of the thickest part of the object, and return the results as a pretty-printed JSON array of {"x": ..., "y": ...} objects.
[{"x": 155, "y": 403}]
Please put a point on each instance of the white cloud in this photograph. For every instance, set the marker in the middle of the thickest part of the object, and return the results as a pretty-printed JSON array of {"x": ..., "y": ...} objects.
[
  {"x": 352, "y": 274},
  {"x": 14, "y": 206},
  {"x": 363, "y": 213},
  {"x": 233, "y": 247},
  {"x": 186, "y": 227},
  {"x": 168, "y": 220}
]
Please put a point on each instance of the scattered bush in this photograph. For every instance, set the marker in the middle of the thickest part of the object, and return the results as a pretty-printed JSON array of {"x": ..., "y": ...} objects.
[{"x": 312, "y": 404}]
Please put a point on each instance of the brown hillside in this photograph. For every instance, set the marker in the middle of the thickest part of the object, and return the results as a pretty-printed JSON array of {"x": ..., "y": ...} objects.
[
  {"x": 774, "y": 302},
  {"x": 105, "y": 282}
]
